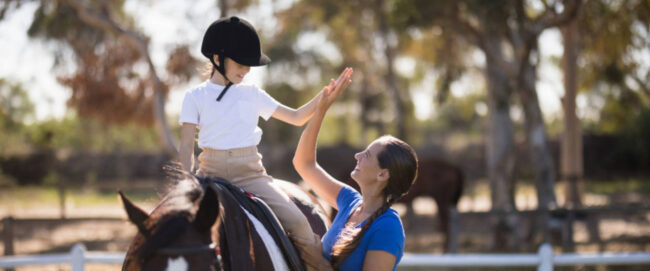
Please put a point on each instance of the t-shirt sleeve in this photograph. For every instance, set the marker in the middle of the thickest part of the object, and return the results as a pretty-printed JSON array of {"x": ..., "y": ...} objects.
[
  {"x": 346, "y": 196},
  {"x": 387, "y": 235},
  {"x": 189, "y": 110},
  {"x": 266, "y": 104}
]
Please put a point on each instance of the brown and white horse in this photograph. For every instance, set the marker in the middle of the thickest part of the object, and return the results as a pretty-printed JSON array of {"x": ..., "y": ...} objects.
[{"x": 195, "y": 227}]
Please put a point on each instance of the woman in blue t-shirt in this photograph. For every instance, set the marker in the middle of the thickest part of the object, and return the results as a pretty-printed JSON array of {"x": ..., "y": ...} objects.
[{"x": 366, "y": 234}]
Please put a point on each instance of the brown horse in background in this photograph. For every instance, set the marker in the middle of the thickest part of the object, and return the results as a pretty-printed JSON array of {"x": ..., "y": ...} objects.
[
  {"x": 196, "y": 226},
  {"x": 436, "y": 179}
]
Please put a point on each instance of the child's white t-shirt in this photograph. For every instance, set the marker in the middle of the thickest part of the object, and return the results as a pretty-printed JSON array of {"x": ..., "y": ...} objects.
[{"x": 231, "y": 122}]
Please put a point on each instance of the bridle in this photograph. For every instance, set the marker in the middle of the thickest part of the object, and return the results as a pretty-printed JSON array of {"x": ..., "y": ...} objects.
[
  {"x": 187, "y": 250},
  {"x": 175, "y": 251}
]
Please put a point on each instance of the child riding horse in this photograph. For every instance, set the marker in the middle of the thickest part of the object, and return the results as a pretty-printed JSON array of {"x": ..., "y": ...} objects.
[{"x": 197, "y": 226}]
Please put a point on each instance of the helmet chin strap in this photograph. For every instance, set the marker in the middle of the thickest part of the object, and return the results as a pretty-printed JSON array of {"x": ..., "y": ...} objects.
[{"x": 221, "y": 68}]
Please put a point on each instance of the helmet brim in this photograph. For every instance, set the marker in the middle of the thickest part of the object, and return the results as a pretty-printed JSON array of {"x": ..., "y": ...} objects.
[{"x": 252, "y": 61}]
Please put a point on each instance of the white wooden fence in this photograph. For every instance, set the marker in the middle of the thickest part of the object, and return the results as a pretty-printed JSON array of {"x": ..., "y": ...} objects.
[
  {"x": 77, "y": 257},
  {"x": 544, "y": 260}
]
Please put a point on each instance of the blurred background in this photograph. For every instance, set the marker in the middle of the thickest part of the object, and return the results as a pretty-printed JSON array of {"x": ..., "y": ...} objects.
[{"x": 531, "y": 118}]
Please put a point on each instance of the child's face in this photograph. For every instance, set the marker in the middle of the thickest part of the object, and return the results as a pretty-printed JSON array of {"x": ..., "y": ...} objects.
[{"x": 236, "y": 71}]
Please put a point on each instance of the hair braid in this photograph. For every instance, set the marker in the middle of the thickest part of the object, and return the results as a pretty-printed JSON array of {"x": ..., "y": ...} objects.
[{"x": 351, "y": 237}]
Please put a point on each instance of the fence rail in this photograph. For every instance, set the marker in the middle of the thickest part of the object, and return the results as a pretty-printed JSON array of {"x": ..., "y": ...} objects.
[
  {"x": 544, "y": 260},
  {"x": 77, "y": 258}
]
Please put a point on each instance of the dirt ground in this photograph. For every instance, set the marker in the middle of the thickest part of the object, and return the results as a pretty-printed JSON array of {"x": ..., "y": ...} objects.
[{"x": 625, "y": 233}]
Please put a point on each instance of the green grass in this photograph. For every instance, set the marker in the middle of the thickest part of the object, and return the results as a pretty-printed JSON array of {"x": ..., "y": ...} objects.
[
  {"x": 39, "y": 196},
  {"x": 619, "y": 186}
]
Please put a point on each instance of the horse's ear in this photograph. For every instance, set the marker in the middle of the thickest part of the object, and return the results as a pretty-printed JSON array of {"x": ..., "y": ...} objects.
[
  {"x": 136, "y": 215},
  {"x": 208, "y": 211}
]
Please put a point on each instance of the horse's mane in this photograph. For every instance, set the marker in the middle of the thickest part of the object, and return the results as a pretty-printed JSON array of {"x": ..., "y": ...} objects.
[{"x": 174, "y": 212}]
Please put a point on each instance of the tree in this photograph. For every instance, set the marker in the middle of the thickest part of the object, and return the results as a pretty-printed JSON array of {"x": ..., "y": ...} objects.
[
  {"x": 15, "y": 109},
  {"x": 507, "y": 33},
  {"x": 605, "y": 38},
  {"x": 571, "y": 141},
  {"x": 115, "y": 80},
  {"x": 614, "y": 36},
  {"x": 15, "y": 105},
  {"x": 365, "y": 40}
]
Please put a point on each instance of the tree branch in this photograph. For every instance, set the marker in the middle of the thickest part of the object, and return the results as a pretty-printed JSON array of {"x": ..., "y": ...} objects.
[
  {"x": 100, "y": 21},
  {"x": 464, "y": 27},
  {"x": 141, "y": 42},
  {"x": 530, "y": 30},
  {"x": 642, "y": 84},
  {"x": 517, "y": 32},
  {"x": 547, "y": 7},
  {"x": 551, "y": 19}
]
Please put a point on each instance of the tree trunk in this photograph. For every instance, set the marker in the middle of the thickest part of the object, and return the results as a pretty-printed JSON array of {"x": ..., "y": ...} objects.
[
  {"x": 223, "y": 6},
  {"x": 539, "y": 153},
  {"x": 391, "y": 80},
  {"x": 500, "y": 149},
  {"x": 571, "y": 155},
  {"x": 366, "y": 104},
  {"x": 165, "y": 135}
]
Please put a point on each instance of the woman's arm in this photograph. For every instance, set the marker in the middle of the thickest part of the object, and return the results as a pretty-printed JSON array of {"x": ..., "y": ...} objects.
[
  {"x": 378, "y": 260},
  {"x": 325, "y": 186},
  {"x": 186, "y": 150}
]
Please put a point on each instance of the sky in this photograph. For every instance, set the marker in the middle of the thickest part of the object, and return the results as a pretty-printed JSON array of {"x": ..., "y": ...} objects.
[{"x": 29, "y": 61}]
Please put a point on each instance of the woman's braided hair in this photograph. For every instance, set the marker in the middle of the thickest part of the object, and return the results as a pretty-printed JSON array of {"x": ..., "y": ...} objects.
[{"x": 402, "y": 163}]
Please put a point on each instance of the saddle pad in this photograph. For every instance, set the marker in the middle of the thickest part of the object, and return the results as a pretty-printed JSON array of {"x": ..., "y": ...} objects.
[{"x": 260, "y": 210}]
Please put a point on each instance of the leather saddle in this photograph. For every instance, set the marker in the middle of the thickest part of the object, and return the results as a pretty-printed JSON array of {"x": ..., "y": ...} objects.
[{"x": 230, "y": 195}]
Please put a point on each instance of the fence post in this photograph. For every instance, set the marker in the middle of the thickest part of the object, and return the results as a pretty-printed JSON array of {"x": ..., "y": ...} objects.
[
  {"x": 545, "y": 254},
  {"x": 567, "y": 237},
  {"x": 8, "y": 237},
  {"x": 452, "y": 230},
  {"x": 77, "y": 257},
  {"x": 61, "y": 191}
]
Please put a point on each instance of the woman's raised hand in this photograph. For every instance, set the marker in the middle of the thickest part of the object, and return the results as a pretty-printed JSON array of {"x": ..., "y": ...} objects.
[{"x": 335, "y": 88}]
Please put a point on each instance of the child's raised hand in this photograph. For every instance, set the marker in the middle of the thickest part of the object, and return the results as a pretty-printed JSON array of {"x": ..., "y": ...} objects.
[{"x": 335, "y": 88}]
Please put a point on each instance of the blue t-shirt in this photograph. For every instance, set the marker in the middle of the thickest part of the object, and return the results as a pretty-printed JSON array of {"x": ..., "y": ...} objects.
[{"x": 386, "y": 232}]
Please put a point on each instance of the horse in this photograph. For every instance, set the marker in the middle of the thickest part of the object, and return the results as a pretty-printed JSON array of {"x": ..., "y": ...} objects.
[
  {"x": 199, "y": 225},
  {"x": 437, "y": 178}
]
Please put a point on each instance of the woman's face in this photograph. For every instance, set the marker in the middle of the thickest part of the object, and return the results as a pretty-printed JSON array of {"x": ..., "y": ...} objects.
[
  {"x": 235, "y": 71},
  {"x": 367, "y": 169}
]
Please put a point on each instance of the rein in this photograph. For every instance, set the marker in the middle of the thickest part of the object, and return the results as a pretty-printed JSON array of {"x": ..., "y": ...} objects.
[{"x": 187, "y": 250}]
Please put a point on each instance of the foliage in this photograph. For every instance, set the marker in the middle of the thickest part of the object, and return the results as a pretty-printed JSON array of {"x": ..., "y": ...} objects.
[
  {"x": 359, "y": 36},
  {"x": 615, "y": 35},
  {"x": 76, "y": 134},
  {"x": 15, "y": 109},
  {"x": 106, "y": 77},
  {"x": 110, "y": 74},
  {"x": 73, "y": 133},
  {"x": 15, "y": 105},
  {"x": 460, "y": 114},
  {"x": 427, "y": 37}
]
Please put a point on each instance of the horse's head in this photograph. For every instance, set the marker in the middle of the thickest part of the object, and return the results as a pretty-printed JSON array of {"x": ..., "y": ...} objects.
[{"x": 177, "y": 234}]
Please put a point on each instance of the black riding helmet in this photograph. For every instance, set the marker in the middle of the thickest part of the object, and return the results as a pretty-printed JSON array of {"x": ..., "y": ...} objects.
[{"x": 234, "y": 38}]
